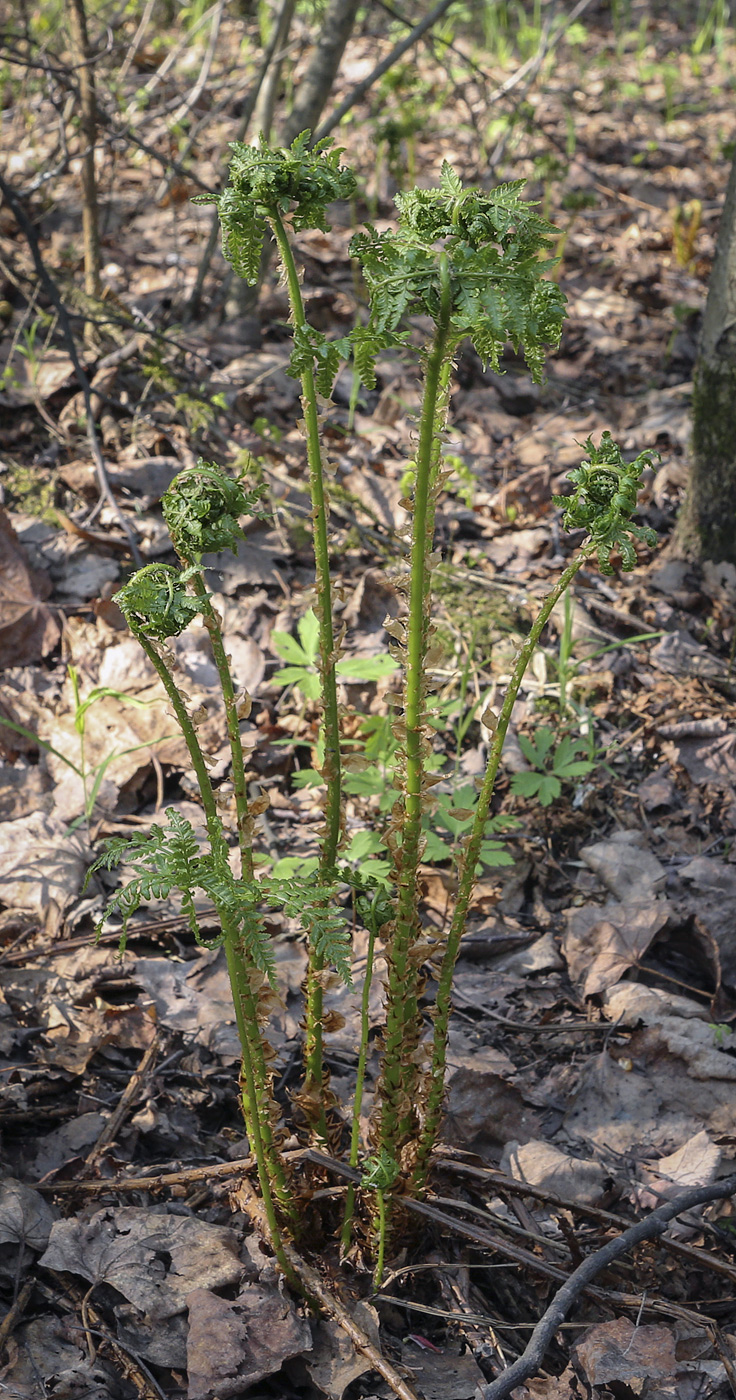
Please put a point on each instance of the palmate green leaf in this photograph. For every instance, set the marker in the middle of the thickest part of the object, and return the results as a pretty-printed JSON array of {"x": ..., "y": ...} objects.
[
  {"x": 574, "y": 768},
  {"x": 288, "y": 648},
  {"x": 307, "y": 681},
  {"x": 366, "y": 668},
  {"x": 308, "y": 629},
  {"x": 544, "y": 786}
]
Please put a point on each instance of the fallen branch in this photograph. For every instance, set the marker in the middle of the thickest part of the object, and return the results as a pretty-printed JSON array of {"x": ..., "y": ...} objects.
[{"x": 649, "y": 1229}]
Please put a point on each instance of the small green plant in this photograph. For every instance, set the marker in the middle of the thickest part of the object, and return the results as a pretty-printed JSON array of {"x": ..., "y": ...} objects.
[
  {"x": 302, "y": 656},
  {"x": 474, "y": 263},
  {"x": 551, "y": 765}
]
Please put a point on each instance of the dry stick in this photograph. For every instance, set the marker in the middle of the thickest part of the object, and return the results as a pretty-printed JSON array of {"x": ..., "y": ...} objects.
[
  {"x": 15, "y": 1312},
  {"x": 52, "y": 292},
  {"x": 397, "y": 52},
  {"x": 272, "y": 52},
  {"x": 88, "y": 124},
  {"x": 649, "y": 1229},
  {"x": 131, "y": 1089},
  {"x": 146, "y": 1183},
  {"x": 204, "y": 72},
  {"x": 135, "y": 42},
  {"x": 701, "y": 1257},
  {"x": 266, "y": 103}
]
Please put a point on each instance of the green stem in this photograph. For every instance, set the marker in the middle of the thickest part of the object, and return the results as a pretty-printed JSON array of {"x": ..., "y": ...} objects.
[
  {"x": 403, "y": 1020},
  {"x": 359, "y": 1082},
  {"x": 233, "y": 724},
  {"x": 381, "y": 1203},
  {"x": 468, "y": 868},
  {"x": 314, "y": 1082},
  {"x": 257, "y": 1104}
]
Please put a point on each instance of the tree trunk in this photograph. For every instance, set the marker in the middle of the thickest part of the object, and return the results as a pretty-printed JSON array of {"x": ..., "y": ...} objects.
[
  {"x": 707, "y": 525},
  {"x": 88, "y": 124},
  {"x": 316, "y": 85}
]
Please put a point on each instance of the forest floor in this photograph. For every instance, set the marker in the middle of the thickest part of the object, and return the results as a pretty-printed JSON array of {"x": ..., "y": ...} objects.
[{"x": 590, "y": 1051}]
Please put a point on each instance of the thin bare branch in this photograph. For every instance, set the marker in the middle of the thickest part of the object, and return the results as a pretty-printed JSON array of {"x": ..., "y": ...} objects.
[{"x": 52, "y": 291}]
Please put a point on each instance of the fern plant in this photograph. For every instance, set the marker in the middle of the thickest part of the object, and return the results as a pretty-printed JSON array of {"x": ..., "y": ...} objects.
[
  {"x": 273, "y": 189},
  {"x": 471, "y": 262},
  {"x": 475, "y": 263}
]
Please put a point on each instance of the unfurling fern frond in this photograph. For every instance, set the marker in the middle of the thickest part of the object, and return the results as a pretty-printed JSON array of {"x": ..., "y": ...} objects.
[
  {"x": 202, "y": 508},
  {"x": 298, "y": 181},
  {"x": 312, "y": 350},
  {"x": 156, "y": 603},
  {"x": 605, "y": 497},
  {"x": 490, "y": 242},
  {"x": 313, "y": 904}
]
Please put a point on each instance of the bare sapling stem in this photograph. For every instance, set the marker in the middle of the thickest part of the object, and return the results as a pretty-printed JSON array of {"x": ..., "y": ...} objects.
[
  {"x": 467, "y": 875},
  {"x": 88, "y": 124},
  {"x": 331, "y": 771},
  {"x": 403, "y": 1017}
]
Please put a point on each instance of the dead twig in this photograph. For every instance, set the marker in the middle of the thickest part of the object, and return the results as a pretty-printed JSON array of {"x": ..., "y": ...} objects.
[
  {"x": 52, "y": 291},
  {"x": 159, "y": 1182},
  {"x": 397, "y": 52},
  {"x": 14, "y": 1313},
  {"x": 700, "y": 1257},
  {"x": 649, "y": 1229},
  {"x": 126, "y": 1099}
]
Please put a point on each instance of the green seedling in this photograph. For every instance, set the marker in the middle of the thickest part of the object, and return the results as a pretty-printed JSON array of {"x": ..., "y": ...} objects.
[
  {"x": 551, "y": 765},
  {"x": 302, "y": 656}
]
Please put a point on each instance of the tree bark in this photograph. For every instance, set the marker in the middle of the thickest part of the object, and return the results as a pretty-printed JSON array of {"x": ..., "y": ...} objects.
[
  {"x": 88, "y": 123},
  {"x": 707, "y": 525},
  {"x": 316, "y": 85}
]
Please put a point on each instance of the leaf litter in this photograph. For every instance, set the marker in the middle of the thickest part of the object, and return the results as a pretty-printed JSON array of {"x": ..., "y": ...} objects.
[{"x": 591, "y": 1053}]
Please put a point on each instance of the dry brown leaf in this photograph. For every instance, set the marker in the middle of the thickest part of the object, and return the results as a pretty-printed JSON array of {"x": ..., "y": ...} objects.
[
  {"x": 620, "y": 1351},
  {"x": 630, "y": 873},
  {"x": 233, "y": 1344},
  {"x": 600, "y": 945},
  {"x": 696, "y": 1163},
  {"x": 31, "y": 380},
  {"x": 28, "y": 629},
  {"x": 541, "y": 1164},
  {"x": 41, "y": 862},
  {"x": 154, "y": 1260}
]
